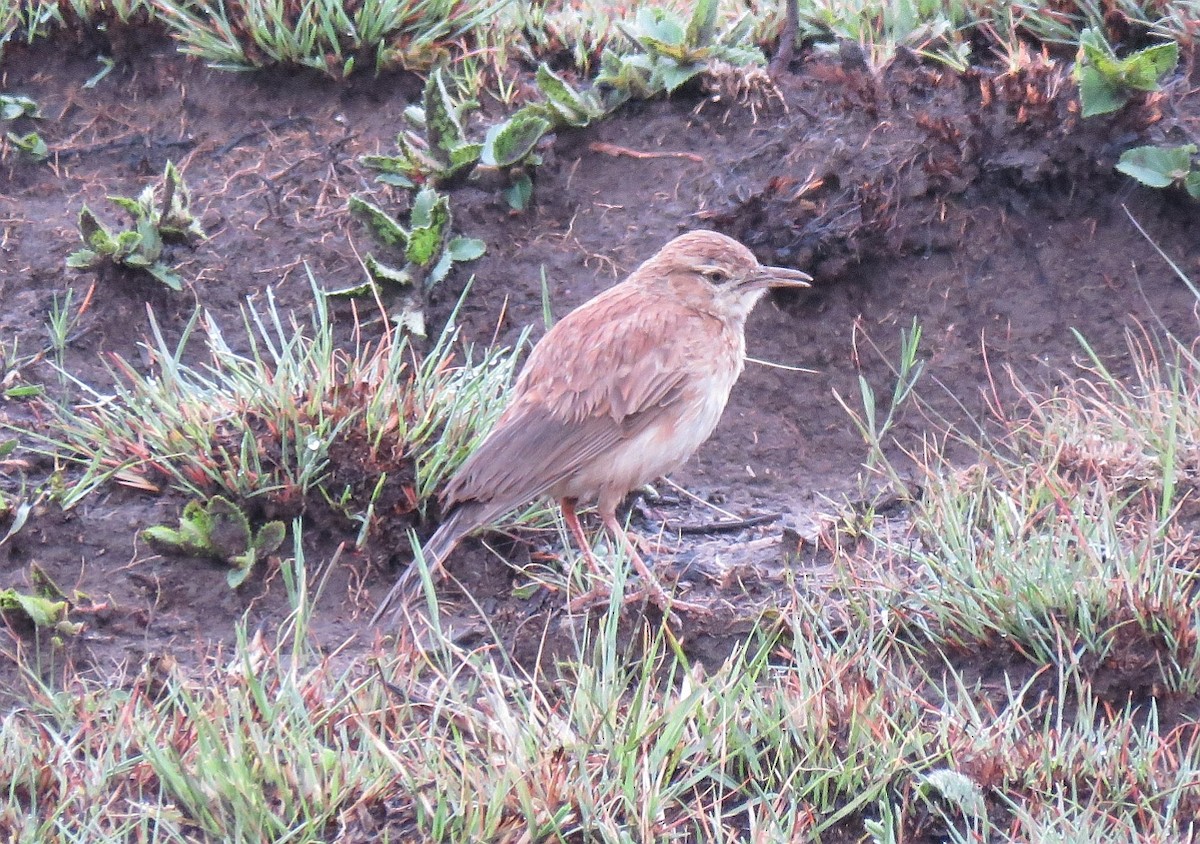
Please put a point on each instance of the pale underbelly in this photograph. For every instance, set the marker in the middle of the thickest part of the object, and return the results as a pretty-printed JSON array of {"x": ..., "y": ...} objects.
[{"x": 659, "y": 449}]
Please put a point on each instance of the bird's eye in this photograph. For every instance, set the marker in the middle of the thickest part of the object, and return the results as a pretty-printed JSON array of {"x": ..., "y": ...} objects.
[{"x": 716, "y": 276}]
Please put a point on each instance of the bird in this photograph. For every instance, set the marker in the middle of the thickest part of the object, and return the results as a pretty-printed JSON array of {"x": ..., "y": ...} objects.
[{"x": 620, "y": 391}]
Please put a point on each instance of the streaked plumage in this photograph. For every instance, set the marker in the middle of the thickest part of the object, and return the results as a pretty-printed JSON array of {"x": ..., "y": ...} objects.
[{"x": 622, "y": 390}]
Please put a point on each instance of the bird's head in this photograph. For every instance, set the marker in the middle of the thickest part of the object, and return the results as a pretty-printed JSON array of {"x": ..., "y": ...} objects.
[{"x": 715, "y": 272}]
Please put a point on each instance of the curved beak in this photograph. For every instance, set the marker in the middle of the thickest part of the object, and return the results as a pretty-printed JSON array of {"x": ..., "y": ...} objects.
[{"x": 778, "y": 277}]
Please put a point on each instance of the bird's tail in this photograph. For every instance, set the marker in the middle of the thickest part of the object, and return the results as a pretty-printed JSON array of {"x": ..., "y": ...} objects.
[{"x": 462, "y": 521}]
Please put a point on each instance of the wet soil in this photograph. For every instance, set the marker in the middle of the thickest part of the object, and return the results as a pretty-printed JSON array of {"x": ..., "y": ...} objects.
[{"x": 979, "y": 206}]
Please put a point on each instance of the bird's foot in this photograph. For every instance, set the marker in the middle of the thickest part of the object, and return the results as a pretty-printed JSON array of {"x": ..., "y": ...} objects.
[
  {"x": 601, "y": 595},
  {"x": 652, "y": 547}
]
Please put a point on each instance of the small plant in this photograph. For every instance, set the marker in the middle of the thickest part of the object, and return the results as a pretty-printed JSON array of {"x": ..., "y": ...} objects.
[
  {"x": 436, "y": 149},
  {"x": 427, "y": 244},
  {"x": 669, "y": 51},
  {"x": 30, "y": 144},
  {"x": 13, "y": 106},
  {"x": 333, "y": 38},
  {"x": 1107, "y": 82},
  {"x": 218, "y": 529},
  {"x": 45, "y": 606},
  {"x": 1162, "y": 167},
  {"x": 160, "y": 216},
  {"x": 510, "y": 146}
]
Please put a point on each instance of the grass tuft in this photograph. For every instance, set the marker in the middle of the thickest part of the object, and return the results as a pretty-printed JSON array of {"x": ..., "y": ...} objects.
[{"x": 283, "y": 422}]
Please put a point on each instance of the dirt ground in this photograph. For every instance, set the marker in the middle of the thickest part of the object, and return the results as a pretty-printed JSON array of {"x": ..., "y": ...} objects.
[{"x": 979, "y": 206}]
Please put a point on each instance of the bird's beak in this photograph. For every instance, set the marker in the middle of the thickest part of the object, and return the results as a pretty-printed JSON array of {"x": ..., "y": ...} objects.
[{"x": 779, "y": 277}]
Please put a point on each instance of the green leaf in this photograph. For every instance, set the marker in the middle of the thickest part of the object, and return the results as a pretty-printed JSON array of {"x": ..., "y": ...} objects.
[
  {"x": 431, "y": 228},
  {"x": 519, "y": 192},
  {"x": 1097, "y": 95},
  {"x": 30, "y": 144},
  {"x": 671, "y": 76},
  {"x": 568, "y": 105},
  {"x": 385, "y": 226},
  {"x": 379, "y": 271},
  {"x": 354, "y": 290},
  {"x": 465, "y": 248},
  {"x": 424, "y": 206},
  {"x": 425, "y": 246},
  {"x": 439, "y": 270},
  {"x": 243, "y": 564},
  {"x": 415, "y": 115},
  {"x": 83, "y": 259},
  {"x": 509, "y": 142},
  {"x": 1192, "y": 184},
  {"x": 13, "y": 106},
  {"x": 230, "y": 533},
  {"x": 1148, "y": 66},
  {"x": 163, "y": 537},
  {"x": 269, "y": 537},
  {"x": 89, "y": 224},
  {"x": 702, "y": 24},
  {"x": 166, "y": 275},
  {"x": 1094, "y": 48},
  {"x": 127, "y": 203},
  {"x": 1158, "y": 167},
  {"x": 396, "y": 179},
  {"x": 463, "y": 155},
  {"x": 658, "y": 26},
  {"x": 127, "y": 242},
  {"x": 43, "y": 612},
  {"x": 441, "y": 118}
]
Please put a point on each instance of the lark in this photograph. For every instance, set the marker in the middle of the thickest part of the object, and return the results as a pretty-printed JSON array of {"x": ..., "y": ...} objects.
[{"x": 619, "y": 392}]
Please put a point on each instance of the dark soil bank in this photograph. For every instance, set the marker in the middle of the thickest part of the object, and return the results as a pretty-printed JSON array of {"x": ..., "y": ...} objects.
[{"x": 981, "y": 206}]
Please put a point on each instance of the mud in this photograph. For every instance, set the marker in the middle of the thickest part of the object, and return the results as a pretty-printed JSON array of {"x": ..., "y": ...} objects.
[{"x": 978, "y": 206}]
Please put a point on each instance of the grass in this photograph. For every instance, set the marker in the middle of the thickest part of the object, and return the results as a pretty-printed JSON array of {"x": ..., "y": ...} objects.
[
  {"x": 272, "y": 422},
  {"x": 1066, "y": 542},
  {"x": 1013, "y": 660},
  {"x": 1002, "y": 664},
  {"x": 337, "y": 38}
]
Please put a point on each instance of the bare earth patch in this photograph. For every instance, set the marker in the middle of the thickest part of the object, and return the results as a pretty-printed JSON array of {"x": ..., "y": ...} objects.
[{"x": 979, "y": 206}]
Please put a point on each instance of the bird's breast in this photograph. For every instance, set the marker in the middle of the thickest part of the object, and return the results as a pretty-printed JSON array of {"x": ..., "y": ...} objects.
[{"x": 662, "y": 446}]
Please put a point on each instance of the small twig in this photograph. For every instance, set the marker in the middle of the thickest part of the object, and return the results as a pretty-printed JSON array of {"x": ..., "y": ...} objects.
[
  {"x": 726, "y": 527},
  {"x": 614, "y": 150},
  {"x": 782, "y": 59},
  {"x": 785, "y": 367},
  {"x": 698, "y": 499},
  {"x": 123, "y": 143}
]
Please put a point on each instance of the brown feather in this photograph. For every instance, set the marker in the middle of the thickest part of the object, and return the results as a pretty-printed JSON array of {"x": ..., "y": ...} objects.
[{"x": 621, "y": 390}]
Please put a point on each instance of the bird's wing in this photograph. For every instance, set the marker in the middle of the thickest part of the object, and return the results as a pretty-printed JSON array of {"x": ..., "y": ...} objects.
[{"x": 600, "y": 376}]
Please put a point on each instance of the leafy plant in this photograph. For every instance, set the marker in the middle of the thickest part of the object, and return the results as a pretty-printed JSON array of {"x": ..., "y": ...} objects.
[
  {"x": 669, "y": 51},
  {"x": 30, "y": 144},
  {"x": 218, "y": 529},
  {"x": 428, "y": 246},
  {"x": 160, "y": 216},
  {"x": 333, "y": 38},
  {"x": 13, "y": 106},
  {"x": 510, "y": 146},
  {"x": 1161, "y": 167},
  {"x": 45, "y": 606},
  {"x": 1106, "y": 82},
  {"x": 436, "y": 149},
  {"x": 42, "y": 612}
]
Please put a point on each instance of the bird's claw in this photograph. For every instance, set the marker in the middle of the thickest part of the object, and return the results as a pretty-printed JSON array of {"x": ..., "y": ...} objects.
[{"x": 668, "y": 605}]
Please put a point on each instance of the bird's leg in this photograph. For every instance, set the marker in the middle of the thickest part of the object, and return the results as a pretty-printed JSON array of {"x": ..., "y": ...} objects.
[
  {"x": 569, "y": 516},
  {"x": 651, "y": 584}
]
